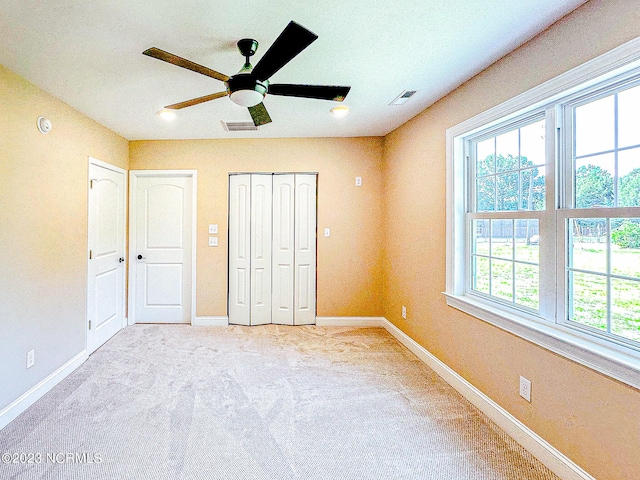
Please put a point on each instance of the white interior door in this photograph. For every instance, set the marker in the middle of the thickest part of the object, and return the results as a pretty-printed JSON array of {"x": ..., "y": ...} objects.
[
  {"x": 305, "y": 250},
  {"x": 106, "y": 271},
  {"x": 162, "y": 222},
  {"x": 239, "y": 249},
  {"x": 283, "y": 248},
  {"x": 272, "y": 249},
  {"x": 261, "y": 220}
]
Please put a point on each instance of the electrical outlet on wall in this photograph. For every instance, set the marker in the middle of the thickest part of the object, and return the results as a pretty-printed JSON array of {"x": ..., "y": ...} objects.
[
  {"x": 31, "y": 358},
  {"x": 525, "y": 388},
  {"x": 404, "y": 312}
]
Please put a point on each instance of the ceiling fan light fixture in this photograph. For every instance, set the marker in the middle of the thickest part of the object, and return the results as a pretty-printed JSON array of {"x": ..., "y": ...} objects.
[
  {"x": 167, "y": 115},
  {"x": 246, "y": 98},
  {"x": 340, "y": 111},
  {"x": 245, "y": 90}
]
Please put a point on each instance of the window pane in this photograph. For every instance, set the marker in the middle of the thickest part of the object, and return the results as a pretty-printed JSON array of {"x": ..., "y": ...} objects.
[
  {"x": 588, "y": 299},
  {"x": 485, "y": 194},
  {"x": 485, "y": 157},
  {"x": 625, "y": 309},
  {"x": 588, "y": 247},
  {"x": 532, "y": 148},
  {"x": 502, "y": 238},
  {"x": 480, "y": 279},
  {"x": 507, "y": 191},
  {"x": 594, "y": 181},
  {"x": 502, "y": 279},
  {"x": 507, "y": 151},
  {"x": 629, "y": 177},
  {"x": 625, "y": 247},
  {"x": 629, "y": 117},
  {"x": 481, "y": 237},
  {"x": 594, "y": 127},
  {"x": 532, "y": 189},
  {"x": 527, "y": 238},
  {"x": 527, "y": 285}
]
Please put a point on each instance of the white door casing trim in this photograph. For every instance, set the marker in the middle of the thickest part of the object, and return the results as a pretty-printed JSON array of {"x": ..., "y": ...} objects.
[{"x": 133, "y": 177}]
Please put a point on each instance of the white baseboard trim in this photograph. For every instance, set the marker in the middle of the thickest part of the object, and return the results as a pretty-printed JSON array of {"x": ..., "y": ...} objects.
[
  {"x": 220, "y": 321},
  {"x": 350, "y": 321},
  {"x": 15, "y": 408},
  {"x": 552, "y": 458}
]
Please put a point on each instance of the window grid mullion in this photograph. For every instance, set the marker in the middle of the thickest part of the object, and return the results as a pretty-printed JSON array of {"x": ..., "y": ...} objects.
[{"x": 608, "y": 263}]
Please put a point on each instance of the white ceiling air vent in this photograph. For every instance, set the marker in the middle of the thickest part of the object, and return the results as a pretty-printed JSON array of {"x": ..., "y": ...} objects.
[
  {"x": 239, "y": 126},
  {"x": 403, "y": 97}
]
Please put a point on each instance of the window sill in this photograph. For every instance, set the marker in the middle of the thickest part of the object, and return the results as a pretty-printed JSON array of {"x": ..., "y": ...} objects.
[{"x": 573, "y": 345}]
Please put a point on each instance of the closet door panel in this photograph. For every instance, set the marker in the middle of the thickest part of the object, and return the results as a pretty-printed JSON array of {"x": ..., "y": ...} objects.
[
  {"x": 261, "y": 221},
  {"x": 239, "y": 249},
  {"x": 305, "y": 249},
  {"x": 283, "y": 248}
]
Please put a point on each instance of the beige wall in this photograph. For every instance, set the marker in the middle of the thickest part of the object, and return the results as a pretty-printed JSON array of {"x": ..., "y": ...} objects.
[
  {"x": 392, "y": 228},
  {"x": 589, "y": 417},
  {"x": 43, "y": 230},
  {"x": 349, "y": 261}
]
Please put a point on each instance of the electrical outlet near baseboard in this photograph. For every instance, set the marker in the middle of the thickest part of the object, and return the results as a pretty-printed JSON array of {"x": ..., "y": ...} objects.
[
  {"x": 31, "y": 358},
  {"x": 525, "y": 388}
]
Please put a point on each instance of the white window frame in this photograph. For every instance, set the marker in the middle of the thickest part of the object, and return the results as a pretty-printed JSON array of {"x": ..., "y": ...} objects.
[
  {"x": 546, "y": 217},
  {"x": 614, "y": 359}
]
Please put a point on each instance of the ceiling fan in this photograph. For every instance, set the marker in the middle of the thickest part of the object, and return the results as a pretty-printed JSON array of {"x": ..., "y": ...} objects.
[{"x": 250, "y": 85}]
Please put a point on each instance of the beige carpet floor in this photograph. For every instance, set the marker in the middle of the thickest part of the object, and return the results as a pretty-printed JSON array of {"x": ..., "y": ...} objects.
[{"x": 181, "y": 402}]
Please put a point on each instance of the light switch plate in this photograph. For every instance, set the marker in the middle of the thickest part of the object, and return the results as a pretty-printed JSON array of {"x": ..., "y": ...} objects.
[
  {"x": 327, "y": 232},
  {"x": 358, "y": 181},
  {"x": 213, "y": 228},
  {"x": 213, "y": 241}
]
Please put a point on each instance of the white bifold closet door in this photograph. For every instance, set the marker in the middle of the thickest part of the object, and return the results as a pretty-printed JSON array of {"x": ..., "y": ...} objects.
[{"x": 272, "y": 249}]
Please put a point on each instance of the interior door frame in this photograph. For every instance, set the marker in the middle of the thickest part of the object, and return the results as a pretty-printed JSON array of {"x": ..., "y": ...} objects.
[
  {"x": 133, "y": 190},
  {"x": 108, "y": 166}
]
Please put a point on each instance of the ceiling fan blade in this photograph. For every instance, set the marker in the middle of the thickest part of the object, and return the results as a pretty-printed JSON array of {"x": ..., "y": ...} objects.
[
  {"x": 323, "y": 92},
  {"x": 196, "y": 101},
  {"x": 259, "y": 114},
  {"x": 293, "y": 39},
  {"x": 184, "y": 63}
]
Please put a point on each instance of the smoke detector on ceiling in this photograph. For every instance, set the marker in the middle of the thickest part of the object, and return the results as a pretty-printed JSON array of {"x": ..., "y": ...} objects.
[
  {"x": 403, "y": 97},
  {"x": 44, "y": 125}
]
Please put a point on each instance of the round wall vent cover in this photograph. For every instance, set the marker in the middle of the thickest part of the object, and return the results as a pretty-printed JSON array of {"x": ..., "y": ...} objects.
[{"x": 44, "y": 125}]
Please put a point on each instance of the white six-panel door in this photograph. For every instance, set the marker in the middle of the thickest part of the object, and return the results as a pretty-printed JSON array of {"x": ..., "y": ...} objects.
[
  {"x": 272, "y": 249},
  {"x": 106, "y": 269},
  {"x": 161, "y": 268}
]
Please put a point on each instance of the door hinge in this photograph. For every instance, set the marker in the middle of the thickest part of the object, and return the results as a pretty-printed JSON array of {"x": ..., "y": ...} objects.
[
  {"x": 91, "y": 183},
  {"x": 90, "y": 254},
  {"x": 89, "y": 324}
]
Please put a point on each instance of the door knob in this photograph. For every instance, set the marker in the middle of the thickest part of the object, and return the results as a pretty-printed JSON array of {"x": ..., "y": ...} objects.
[
  {"x": 121, "y": 259},
  {"x": 140, "y": 257}
]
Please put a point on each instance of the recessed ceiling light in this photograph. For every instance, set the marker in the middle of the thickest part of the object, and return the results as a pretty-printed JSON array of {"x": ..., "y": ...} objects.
[
  {"x": 340, "y": 111},
  {"x": 167, "y": 114}
]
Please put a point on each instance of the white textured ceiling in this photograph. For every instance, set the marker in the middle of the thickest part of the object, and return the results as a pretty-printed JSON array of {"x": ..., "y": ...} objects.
[{"x": 89, "y": 54}]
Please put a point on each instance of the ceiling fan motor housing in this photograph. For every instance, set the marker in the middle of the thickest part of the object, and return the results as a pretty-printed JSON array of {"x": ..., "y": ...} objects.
[{"x": 246, "y": 90}]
